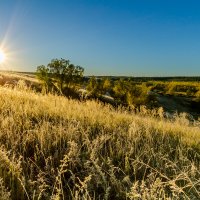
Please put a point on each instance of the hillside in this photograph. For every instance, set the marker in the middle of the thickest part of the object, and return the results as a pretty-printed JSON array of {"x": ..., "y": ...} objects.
[{"x": 52, "y": 147}]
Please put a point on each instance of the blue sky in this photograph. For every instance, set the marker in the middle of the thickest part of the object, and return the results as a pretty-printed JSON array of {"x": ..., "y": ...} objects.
[{"x": 106, "y": 37}]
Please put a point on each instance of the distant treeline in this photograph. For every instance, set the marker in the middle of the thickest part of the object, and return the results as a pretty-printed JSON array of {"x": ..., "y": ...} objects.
[{"x": 144, "y": 79}]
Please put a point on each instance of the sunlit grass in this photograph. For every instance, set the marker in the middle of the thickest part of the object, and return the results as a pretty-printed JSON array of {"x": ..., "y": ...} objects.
[{"x": 56, "y": 148}]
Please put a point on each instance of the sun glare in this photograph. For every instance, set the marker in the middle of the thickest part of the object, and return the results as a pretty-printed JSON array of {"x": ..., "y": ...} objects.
[{"x": 2, "y": 56}]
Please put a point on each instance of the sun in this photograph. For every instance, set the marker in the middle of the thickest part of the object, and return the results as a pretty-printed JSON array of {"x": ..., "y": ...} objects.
[{"x": 2, "y": 56}]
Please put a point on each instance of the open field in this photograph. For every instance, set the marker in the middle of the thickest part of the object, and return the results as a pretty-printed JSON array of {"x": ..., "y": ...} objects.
[
  {"x": 55, "y": 148},
  {"x": 12, "y": 78},
  {"x": 99, "y": 100}
]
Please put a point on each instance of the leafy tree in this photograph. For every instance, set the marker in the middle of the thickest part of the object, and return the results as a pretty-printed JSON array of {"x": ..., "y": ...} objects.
[
  {"x": 120, "y": 89},
  {"x": 139, "y": 93},
  {"x": 42, "y": 74},
  {"x": 98, "y": 87},
  {"x": 61, "y": 73},
  {"x": 64, "y": 73},
  {"x": 106, "y": 85},
  {"x": 129, "y": 93},
  {"x": 93, "y": 86}
]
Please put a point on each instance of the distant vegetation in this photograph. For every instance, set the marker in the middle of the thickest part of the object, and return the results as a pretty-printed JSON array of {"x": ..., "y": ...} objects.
[
  {"x": 63, "y": 78},
  {"x": 133, "y": 94},
  {"x": 188, "y": 89}
]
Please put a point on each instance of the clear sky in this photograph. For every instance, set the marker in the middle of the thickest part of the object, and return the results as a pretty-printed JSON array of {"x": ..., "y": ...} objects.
[{"x": 106, "y": 37}]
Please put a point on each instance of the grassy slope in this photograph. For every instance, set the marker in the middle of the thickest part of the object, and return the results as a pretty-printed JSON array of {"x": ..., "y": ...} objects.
[{"x": 55, "y": 148}]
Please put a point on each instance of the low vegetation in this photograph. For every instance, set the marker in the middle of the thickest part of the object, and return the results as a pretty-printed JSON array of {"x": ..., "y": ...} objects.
[
  {"x": 61, "y": 77},
  {"x": 187, "y": 89},
  {"x": 52, "y": 147},
  {"x": 183, "y": 96}
]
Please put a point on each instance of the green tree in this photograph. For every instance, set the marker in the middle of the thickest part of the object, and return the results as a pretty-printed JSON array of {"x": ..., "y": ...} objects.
[
  {"x": 130, "y": 93},
  {"x": 120, "y": 89},
  {"x": 64, "y": 73},
  {"x": 61, "y": 73},
  {"x": 106, "y": 85},
  {"x": 93, "y": 86},
  {"x": 42, "y": 74}
]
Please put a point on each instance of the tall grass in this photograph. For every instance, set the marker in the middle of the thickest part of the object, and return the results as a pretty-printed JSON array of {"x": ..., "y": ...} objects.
[{"x": 52, "y": 147}]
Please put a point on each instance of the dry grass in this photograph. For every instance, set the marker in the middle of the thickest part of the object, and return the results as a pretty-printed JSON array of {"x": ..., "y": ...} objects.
[
  {"x": 11, "y": 79},
  {"x": 52, "y": 147},
  {"x": 19, "y": 76}
]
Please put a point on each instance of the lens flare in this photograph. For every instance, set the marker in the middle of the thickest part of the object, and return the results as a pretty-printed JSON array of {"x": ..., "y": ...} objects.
[{"x": 2, "y": 56}]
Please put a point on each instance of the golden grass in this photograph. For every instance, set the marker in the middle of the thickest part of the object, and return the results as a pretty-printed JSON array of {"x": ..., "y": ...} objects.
[
  {"x": 52, "y": 147},
  {"x": 18, "y": 76}
]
